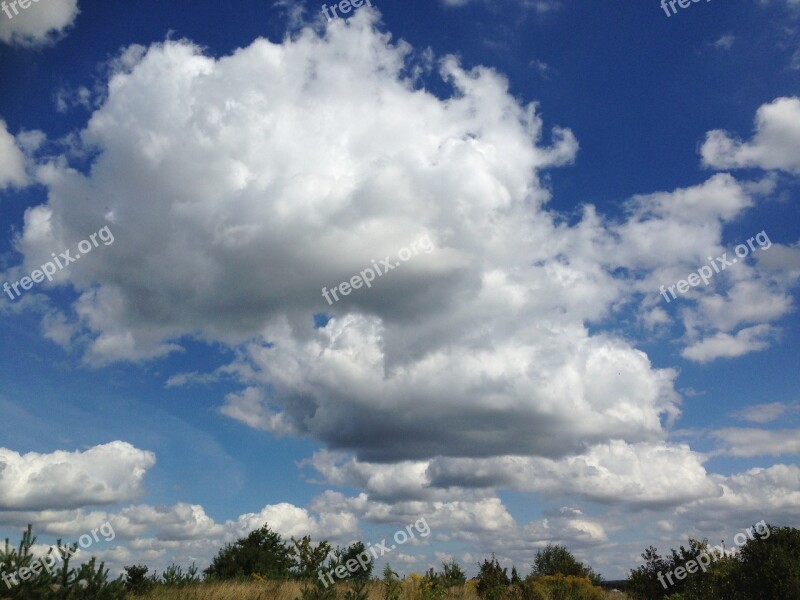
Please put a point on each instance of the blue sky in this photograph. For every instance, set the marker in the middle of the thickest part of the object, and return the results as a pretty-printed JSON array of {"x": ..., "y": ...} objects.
[{"x": 520, "y": 381}]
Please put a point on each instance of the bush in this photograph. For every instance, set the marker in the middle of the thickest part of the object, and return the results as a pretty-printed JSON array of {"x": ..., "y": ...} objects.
[
  {"x": 452, "y": 575},
  {"x": 770, "y": 567},
  {"x": 262, "y": 551},
  {"x": 492, "y": 580},
  {"x": 391, "y": 584},
  {"x": 564, "y": 587},
  {"x": 136, "y": 580},
  {"x": 557, "y": 560},
  {"x": 89, "y": 581}
]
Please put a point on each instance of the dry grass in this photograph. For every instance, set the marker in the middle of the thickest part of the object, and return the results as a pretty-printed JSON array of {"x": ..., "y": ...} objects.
[{"x": 271, "y": 590}]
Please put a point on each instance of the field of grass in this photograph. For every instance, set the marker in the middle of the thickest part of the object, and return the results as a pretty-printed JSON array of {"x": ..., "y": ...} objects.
[{"x": 291, "y": 590}]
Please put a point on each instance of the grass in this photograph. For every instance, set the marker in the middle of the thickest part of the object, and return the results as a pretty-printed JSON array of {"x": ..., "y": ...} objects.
[{"x": 272, "y": 590}]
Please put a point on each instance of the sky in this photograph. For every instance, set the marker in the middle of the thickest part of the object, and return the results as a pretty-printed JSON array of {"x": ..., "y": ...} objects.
[{"x": 524, "y": 269}]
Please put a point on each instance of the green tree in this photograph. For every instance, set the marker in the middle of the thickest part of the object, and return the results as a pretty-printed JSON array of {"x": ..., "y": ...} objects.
[
  {"x": 391, "y": 584},
  {"x": 770, "y": 567},
  {"x": 262, "y": 551},
  {"x": 557, "y": 560},
  {"x": 643, "y": 582},
  {"x": 309, "y": 558},
  {"x": 515, "y": 578},
  {"x": 492, "y": 580},
  {"x": 136, "y": 580},
  {"x": 452, "y": 575},
  {"x": 361, "y": 570}
]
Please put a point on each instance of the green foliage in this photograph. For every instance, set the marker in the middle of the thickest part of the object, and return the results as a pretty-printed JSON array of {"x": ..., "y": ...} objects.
[
  {"x": 391, "y": 584},
  {"x": 770, "y": 567},
  {"x": 492, "y": 580},
  {"x": 452, "y": 575},
  {"x": 515, "y": 578},
  {"x": 343, "y": 556},
  {"x": 318, "y": 591},
  {"x": 262, "y": 551},
  {"x": 765, "y": 567},
  {"x": 309, "y": 558},
  {"x": 136, "y": 580},
  {"x": 643, "y": 581},
  {"x": 173, "y": 576},
  {"x": 357, "y": 590},
  {"x": 51, "y": 577},
  {"x": 564, "y": 587},
  {"x": 432, "y": 586},
  {"x": 557, "y": 560}
]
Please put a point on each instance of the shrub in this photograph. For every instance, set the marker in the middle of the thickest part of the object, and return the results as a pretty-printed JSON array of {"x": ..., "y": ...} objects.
[
  {"x": 89, "y": 581},
  {"x": 262, "y": 551},
  {"x": 492, "y": 580},
  {"x": 557, "y": 560},
  {"x": 136, "y": 580},
  {"x": 391, "y": 584},
  {"x": 564, "y": 587},
  {"x": 770, "y": 567},
  {"x": 452, "y": 575}
]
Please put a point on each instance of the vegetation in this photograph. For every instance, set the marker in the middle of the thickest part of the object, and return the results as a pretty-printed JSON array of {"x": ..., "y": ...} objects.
[
  {"x": 767, "y": 567},
  {"x": 26, "y": 577},
  {"x": 262, "y": 566}
]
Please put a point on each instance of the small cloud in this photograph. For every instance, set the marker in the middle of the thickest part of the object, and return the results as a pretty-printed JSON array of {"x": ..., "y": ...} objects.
[
  {"x": 766, "y": 413},
  {"x": 542, "y": 67},
  {"x": 724, "y": 345},
  {"x": 725, "y": 42}
]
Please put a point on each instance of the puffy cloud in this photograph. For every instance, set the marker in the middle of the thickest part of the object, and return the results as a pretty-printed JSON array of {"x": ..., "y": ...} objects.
[
  {"x": 775, "y": 145},
  {"x": 526, "y": 393},
  {"x": 616, "y": 473},
  {"x": 741, "y": 441},
  {"x": 12, "y": 161},
  {"x": 639, "y": 475},
  {"x": 773, "y": 492},
  {"x": 265, "y": 224},
  {"x": 103, "y": 474},
  {"x": 744, "y": 341},
  {"x": 40, "y": 24}
]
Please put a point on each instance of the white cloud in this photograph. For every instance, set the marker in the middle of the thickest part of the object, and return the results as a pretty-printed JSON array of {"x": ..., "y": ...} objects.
[
  {"x": 767, "y": 413},
  {"x": 12, "y": 161},
  {"x": 41, "y": 23},
  {"x": 103, "y": 474},
  {"x": 724, "y": 345},
  {"x": 725, "y": 42},
  {"x": 775, "y": 145},
  {"x": 741, "y": 441}
]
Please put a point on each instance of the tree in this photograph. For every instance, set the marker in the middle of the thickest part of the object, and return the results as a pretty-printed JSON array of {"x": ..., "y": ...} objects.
[
  {"x": 452, "y": 575},
  {"x": 770, "y": 567},
  {"x": 557, "y": 560},
  {"x": 643, "y": 583},
  {"x": 262, "y": 551},
  {"x": 361, "y": 565},
  {"x": 309, "y": 558},
  {"x": 391, "y": 584},
  {"x": 492, "y": 580}
]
